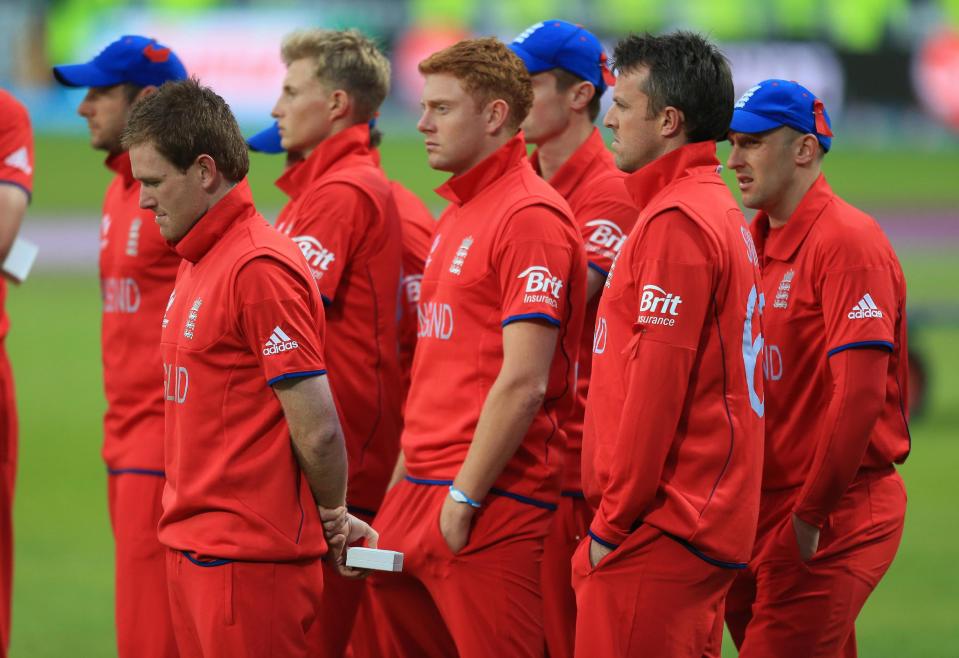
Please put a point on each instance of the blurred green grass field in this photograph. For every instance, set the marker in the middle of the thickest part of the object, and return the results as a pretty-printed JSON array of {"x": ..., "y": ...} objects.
[{"x": 63, "y": 583}]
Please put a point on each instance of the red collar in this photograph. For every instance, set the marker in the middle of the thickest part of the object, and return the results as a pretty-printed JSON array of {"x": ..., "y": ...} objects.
[
  {"x": 646, "y": 182},
  {"x": 328, "y": 155},
  {"x": 569, "y": 176},
  {"x": 120, "y": 165},
  {"x": 804, "y": 217},
  {"x": 461, "y": 189},
  {"x": 236, "y": 205}
]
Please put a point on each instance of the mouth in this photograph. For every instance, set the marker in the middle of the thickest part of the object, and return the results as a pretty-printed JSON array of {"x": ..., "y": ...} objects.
[
  {"x": 743, "y": 182},
  {"x": 432, "y": 146}
]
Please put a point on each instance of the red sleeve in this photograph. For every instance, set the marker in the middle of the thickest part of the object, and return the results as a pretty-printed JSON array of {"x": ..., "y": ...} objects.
[
  {"x": 674, "y": 273},
  {"x": 281, "y": 320},
  {"x": 16, "y": 144},
  {"x": 859, "y": 306},
  {"x": 605, "y": 222},
  {"x": 533, "y": 261},
  {"x": 329, "y": 228},
  {"x": 858, "y": 397}
]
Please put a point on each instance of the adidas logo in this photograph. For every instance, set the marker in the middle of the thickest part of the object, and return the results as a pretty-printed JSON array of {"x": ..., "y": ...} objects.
[
  {"x": 278, "y": 342},
  {"x": 19, "y": 159},
  {"x": 865, "y": 308}
]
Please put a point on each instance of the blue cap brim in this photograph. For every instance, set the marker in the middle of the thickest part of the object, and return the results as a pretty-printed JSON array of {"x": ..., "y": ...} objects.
[
  {"x": 85, "y": 75},
  {"x": 533, "y": 64},
  {"x": 267, "y": 140},
  {"x": 747, "y": 122}
]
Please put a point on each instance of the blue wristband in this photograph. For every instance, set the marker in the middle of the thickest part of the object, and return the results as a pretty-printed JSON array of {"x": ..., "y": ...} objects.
[{"x": 461, "y": 497}]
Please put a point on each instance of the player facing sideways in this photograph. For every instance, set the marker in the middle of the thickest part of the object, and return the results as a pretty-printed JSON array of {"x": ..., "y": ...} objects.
[
  {"x": 832, "y": 505},
  {"x": 500, "y": 314},
  {"x": 342, "y": 216},
  {"x": 253, "y": 448},
  {"x": 16, "y": 187},
  {"x": 672, "y": 447},
  {"x": 137, "y": 270},
  {"x": 568, "y": 68}
]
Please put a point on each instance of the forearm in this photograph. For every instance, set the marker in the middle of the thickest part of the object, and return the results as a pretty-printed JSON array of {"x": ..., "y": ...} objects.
[
  {"x": 13, "y": 206},
  {"x": 503, "y": 423},
  {"x": 859, "y": 377},
  {"x": 321, "y": 454}
]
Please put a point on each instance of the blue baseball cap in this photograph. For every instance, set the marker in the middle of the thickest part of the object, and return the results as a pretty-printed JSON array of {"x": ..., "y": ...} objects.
[
  {"x": 135, "y": 59},
  {"x": 774, "y": 103},
  {"x": 267, "y": 140},
  {"x": 556, "y": 44}
]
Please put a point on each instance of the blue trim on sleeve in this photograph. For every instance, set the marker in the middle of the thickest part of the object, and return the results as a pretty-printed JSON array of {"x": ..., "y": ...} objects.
[
  {"x": 206, "y": 563},
  {"x": 360, "y": 511},
  {"x": 326, "y": 300},
  {"x": 864, "y": 343},
  {"x": 705, "y": 558},
  {"x": 531, "y": 316},
  {"x": 602, "y": 542},
  {"x": 295, "y": 375},
  {"x": 526, "y": 500},
  {"x": 579, "y": 495},
  {"x": 4, "y": 181},
  {"x": 599, "y": 269},
  {"x": 135, "y": 471}
]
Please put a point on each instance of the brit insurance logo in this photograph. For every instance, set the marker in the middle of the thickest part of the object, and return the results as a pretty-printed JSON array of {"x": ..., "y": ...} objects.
[
  {"x": 606, "y": 238},
  {"x": 317, "y": 256},
  {"x": 658, "y": 307},
  {"x": 411, "y": 284},
  {"x": 541, "y": 286},
  {"x": 864, "y": 308},
  {"x": 278, "y": 342}
]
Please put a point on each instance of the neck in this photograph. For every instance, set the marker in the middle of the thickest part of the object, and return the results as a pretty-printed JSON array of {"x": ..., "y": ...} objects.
[
  {"x": 490, "y": 146},
  {"x": 554, "y": 153},
  {"x": 221, "y": 191},
  {"x": 786, "y": 205}
]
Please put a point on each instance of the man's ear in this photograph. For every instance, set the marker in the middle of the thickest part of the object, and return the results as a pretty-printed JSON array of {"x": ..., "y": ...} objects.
[
  {"x": 495, "y": 115},
  {"x": 806, "y": 150},
  {"x": 340, "y": 104},
  {"x": 581, "y": 94},
  {"x": 206, "y": 167},
  {"x": 672, "y": 123}
]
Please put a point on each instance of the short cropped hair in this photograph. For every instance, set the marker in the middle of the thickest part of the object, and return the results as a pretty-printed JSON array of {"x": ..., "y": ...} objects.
[
  {"x": 184, "y": 120},
  {"x": 488, "y": 71},
  {"x": 565, "y": 80},
  {"x": 686, "y": 72},
  {"x": 347, "y": 60}
]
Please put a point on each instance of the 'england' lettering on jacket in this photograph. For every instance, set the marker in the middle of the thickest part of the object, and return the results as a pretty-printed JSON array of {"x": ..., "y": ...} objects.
[
  {"x": 659, "y": 305},
  {"x": 176, "y": 383},
  {"x": 120, "y": 295},
  {"x": 317, "y": 256},
  {"x": 541, "y": 286},
  {"x": 434, "y": 320},
  {"x": 600, "y": 334}
]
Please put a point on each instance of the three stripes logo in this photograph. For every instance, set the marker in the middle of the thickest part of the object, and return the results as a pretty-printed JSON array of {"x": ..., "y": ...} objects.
[
  {"x": 865, "y": 308},
  {"x": 278, "y": 342}
]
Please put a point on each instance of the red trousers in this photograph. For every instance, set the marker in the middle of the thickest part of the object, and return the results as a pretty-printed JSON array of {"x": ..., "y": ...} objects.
[
  {"x": 225, "y": 609},
  {"x": 482, "y": 601},
  {"x": 566, "y": 531},
  {"x": 650, "y": 597},
  {"x": 786, "y": 607},
  {"x": 8, "y": 475},
  {"x": 142, "y": 609}
]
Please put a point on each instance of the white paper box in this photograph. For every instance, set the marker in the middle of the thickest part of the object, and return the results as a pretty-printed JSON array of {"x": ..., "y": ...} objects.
[
  {"x": 20, "y": 260},
  {"x": 374, "y": 558}
]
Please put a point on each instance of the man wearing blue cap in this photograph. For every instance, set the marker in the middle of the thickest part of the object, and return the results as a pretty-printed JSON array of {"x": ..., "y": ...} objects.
[
  {"x": 137, "y": 271},
  {"x": 568, "y": 68},
  {"x": 832, "y": 506}
]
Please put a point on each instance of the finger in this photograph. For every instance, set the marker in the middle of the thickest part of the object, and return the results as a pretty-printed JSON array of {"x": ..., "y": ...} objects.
[{"x": 372, "y": 537}]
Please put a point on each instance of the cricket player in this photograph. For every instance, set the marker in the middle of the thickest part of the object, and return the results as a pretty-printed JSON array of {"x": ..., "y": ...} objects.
[
  {"x": 137, "y": 270},
  {"x": 343, "y": 217},
  {"x": 832, "y": 506},
  {"x": 500, "y": 315},
  {"x": 672, "y": 446},
  {"x": 16, "y": 187},
  {"x": 568, "y": 68},
  {"x": 253, "y": 446}
]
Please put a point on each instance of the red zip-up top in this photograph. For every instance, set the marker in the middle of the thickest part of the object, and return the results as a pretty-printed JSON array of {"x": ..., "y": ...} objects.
[
  {"x": 605, "y": 213},
  {"x": 505, "y": 250},
  {"x": 244, "y": 315},
  {"x": 343, "y": 217},
  {"x": 16, "y": 166},
  {"x": 137, "y": 270},
  {"x": 417, "y": 226},
  {"x": 674, "y": 430},
  {"x": 832, "y": 282}
]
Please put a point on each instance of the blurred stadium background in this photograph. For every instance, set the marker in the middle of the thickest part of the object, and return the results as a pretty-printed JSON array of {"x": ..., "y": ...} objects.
[{"x": 888, "y": 71}]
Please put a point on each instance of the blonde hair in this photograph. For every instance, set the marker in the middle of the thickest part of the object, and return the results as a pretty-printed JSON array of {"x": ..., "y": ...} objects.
[
  {"x": 347, "y": 60},
  {"x": 488, "y": 70}
]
